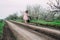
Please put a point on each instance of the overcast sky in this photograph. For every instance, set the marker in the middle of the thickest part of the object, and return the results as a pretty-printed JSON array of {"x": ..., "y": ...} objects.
[{"x": 8, "y": 7}]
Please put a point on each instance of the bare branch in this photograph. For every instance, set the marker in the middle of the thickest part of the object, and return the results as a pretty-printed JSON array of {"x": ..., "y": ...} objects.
[{"x": 53, "y": 5}]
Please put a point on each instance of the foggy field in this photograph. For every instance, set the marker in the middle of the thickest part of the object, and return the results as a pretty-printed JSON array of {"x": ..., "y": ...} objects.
[
  {"x": 42, "y": 16},
  {"x": 48, "y": 14}
]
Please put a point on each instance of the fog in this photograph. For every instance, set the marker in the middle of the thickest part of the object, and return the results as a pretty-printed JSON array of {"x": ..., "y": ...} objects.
[{"x": 8, "y": 7}]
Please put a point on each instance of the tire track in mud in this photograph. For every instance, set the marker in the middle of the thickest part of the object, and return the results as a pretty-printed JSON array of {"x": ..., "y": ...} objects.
[{"x": 8, "y": 35}]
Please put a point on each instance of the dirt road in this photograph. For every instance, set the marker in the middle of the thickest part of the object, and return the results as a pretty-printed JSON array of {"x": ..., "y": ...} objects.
[
  {"x": 8, "y": 35},
  {"x": 22, "y": 33}
]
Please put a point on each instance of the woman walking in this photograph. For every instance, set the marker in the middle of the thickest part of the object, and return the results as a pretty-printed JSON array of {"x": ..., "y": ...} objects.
[{"x": 26, "y": 16}]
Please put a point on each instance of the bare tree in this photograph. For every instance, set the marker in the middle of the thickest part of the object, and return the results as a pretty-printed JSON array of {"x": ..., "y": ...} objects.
[
  {"x": 34, "y": 11},
  {"x": 55, "y": 6}
]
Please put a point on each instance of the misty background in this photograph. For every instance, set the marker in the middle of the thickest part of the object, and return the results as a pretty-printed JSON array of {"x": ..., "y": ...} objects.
[{"x": 8, "y": 7}]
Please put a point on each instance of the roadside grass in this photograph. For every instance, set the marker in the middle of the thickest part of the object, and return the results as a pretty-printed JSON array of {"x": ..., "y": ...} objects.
[
  {"x": 55, "y": 23},
  {"x": 1, "y": 28}
]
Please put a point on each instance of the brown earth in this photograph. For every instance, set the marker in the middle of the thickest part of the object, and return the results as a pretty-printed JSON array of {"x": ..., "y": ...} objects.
[{"x": 8, "y": 35}]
